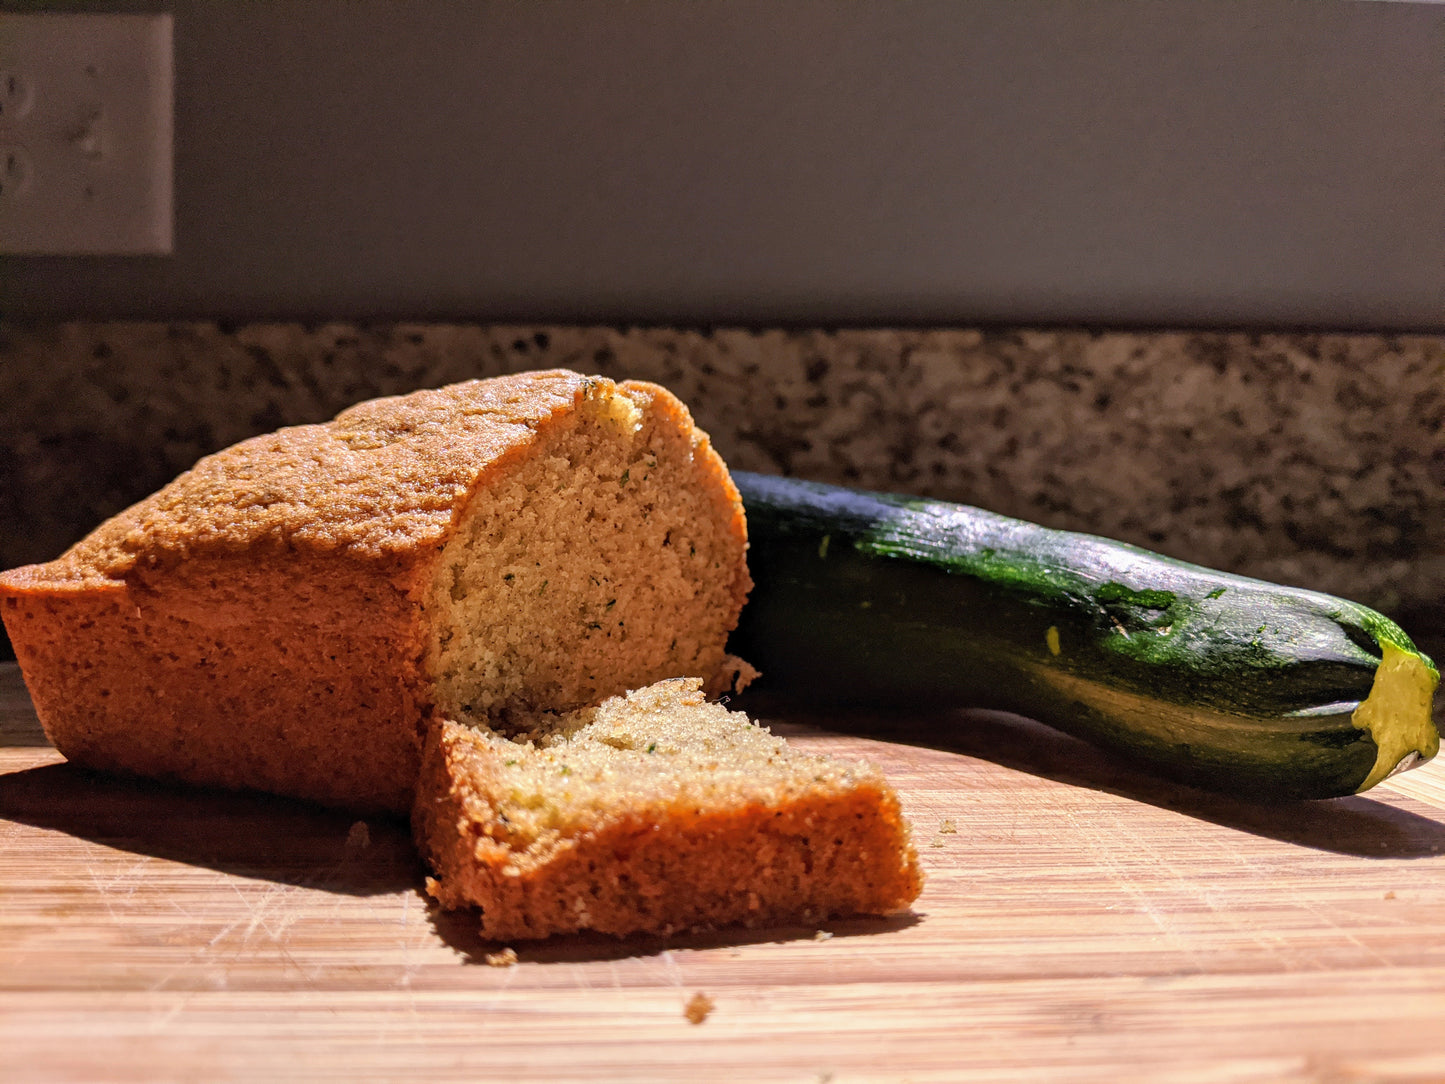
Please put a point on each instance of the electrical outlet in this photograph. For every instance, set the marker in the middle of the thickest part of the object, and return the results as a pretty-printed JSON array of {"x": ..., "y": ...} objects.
[{"x": 86, "y": 161}]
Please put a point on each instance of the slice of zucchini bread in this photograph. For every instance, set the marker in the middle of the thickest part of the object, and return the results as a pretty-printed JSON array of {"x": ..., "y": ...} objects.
[{"x": 653, "y": 812}]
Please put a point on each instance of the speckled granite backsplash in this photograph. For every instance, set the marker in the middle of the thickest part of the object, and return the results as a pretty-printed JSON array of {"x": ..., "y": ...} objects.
[{"x": 1310, "y": 459}]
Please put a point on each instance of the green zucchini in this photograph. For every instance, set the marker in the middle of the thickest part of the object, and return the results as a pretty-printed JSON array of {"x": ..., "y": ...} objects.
[{"x": 1227, "y": 682}]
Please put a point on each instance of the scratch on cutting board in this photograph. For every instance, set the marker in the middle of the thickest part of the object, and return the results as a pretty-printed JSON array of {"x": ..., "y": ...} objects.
[
  {"x": 497, "y": 1003},
  {"x": 1345, "y": 934},
  {"x": 1290, "y": 958},
  {"x": 105, "y": 889},
  {"x": 1275, "y": 944},
  {"x": 268, "y": 915},
  {"x": 671, "y": 969},
  {"x": 101, "y": 891},
  {"x": 258, "y": 917},
  {"x": 410, "y": 965},
  {"x": 177, "y": 1007},
  {"x": 1105, "y": 852},
  {"x": 579, "y": 976}
]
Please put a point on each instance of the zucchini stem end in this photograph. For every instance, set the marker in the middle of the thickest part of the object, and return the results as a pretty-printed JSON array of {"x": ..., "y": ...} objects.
[{"x": 1397, "y": 713}]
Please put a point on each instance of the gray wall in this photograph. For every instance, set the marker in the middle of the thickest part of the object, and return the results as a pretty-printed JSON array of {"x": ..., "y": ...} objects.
[{"x": 1183, "y": 163}]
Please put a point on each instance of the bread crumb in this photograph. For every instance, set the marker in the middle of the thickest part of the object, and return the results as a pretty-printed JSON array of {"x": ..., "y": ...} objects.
[
  {"x": 822, "y": 935},
  {"x": 948, "y": 827},
  {"x": 1390, "y": 894},
  {"x": 503, "y": 958},
  {"x": 698, "y": 1007},
  {"x": 359, "y": 838}
]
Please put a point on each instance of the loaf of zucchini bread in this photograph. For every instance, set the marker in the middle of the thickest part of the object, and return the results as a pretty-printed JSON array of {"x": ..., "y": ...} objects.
[
  {"x": 291, "y": 613},
  {"x": 419, "y": 607}
]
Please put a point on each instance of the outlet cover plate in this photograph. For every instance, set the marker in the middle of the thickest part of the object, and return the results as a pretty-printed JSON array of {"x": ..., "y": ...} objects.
[{"x": 86, "y": 122}]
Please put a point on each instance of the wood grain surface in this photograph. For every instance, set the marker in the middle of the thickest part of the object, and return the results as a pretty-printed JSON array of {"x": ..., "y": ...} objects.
[{"x": 1081, "y": 922}]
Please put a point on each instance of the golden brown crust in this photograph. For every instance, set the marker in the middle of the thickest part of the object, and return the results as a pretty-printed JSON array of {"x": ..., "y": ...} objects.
[
  {"x": 381, "y": 479},
  {"x": 256, "y": 622},
  {"x": 285, "y": 675}
]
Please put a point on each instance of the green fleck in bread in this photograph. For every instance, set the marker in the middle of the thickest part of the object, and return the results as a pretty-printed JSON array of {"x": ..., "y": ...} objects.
[
  {"x": 657, "y": 811},
  {"x": 294, "y": 612}
]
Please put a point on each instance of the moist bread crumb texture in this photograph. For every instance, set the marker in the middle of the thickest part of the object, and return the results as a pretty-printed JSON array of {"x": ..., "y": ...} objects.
[
  {"x": 586, "y": 565},
  {"x": 656, "y": 811}
]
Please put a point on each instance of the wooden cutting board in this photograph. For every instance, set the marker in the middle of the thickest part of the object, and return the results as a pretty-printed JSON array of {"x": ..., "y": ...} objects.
[{"x": 1081, "y": 922}]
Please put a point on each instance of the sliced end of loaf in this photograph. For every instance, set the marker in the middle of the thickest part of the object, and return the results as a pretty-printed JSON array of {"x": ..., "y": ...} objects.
[
  {"x": 653, "y": 812},
  {"x": 609, "y": 556}
]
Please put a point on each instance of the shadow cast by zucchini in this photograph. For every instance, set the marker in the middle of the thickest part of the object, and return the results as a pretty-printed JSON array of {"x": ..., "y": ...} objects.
[{"x": 1359, "y": 825}]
